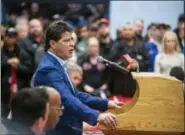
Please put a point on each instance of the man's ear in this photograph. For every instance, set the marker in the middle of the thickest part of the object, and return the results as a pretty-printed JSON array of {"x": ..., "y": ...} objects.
[
  {"x": 39, "y": 125},
  {"x": 52, "y": 44}
]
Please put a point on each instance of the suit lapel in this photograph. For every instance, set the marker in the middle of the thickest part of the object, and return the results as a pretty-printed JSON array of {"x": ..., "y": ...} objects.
[{"x": 60, "y": 68}]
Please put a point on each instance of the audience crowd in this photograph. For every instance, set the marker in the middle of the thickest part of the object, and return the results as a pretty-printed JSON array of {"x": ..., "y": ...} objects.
[{"x": 161, "y": 50}]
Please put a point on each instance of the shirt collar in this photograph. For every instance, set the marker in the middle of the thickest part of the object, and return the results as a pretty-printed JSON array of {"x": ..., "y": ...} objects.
[{"x": 61, "y": 61}]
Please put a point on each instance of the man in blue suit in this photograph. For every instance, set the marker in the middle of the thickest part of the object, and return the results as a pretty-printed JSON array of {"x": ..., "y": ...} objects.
[{"x": 78, "y": 106}]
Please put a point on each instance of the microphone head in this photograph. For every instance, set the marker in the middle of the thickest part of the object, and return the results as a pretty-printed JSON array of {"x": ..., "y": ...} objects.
[{"x": 100, "y": 59}]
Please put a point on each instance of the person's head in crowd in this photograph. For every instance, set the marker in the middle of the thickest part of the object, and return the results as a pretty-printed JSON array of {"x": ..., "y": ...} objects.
[
  {"x": 154, "y": 32},
  {"x": 22, "y": 31},
  {"x": 181, "y": 23},
  {"x": 55, "y": 107},
  {"x": 181, "y": 20},
  {"x": 10, "y": 38},
  {"x": 93, "y": 30},
  {"x": 164, "y": 27},
  {"x": 35, "y": 8},
  {"x": 75, "y": 73},
  {"x": 82, "y": 32},
  {"x": 59, "y": 39},
  {"x": 104, "y": 28},
  {"x": 30, "y": 109},
  {"x": 35, "y": 28},
  {"x": 178, "y": 73},
  {"x": 118, "y": 33},
  {"x": 128, "y": 32},
  {"x": 74, "y": 56},
  {"x": 56, "y": 17},
  {"x": 22, "y": 20},
  {"x": 93, "y": 47},
  {"x": 139, "y": 27},
  {"x": 170, "y": 43},
  {"x": 12, "y": 19}
]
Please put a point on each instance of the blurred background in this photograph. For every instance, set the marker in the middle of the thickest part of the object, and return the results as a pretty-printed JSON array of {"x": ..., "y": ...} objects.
[{"x": 142, "y": 36}]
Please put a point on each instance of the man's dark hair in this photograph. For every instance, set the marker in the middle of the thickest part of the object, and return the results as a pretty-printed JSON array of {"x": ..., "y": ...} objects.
[
  {"x": 55, "y": 31},
  {"x": 181, "y": 18},
  {"x": 178, "y": 73},
  {"x": 28, "y": 105}
]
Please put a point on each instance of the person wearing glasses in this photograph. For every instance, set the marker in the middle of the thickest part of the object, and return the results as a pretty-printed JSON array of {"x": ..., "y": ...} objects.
[
  {"x": 56, "y": 108},
  {"x": 51, "y": 71}
]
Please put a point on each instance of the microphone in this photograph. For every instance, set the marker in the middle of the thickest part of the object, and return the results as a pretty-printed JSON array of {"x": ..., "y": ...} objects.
[{"x": 112, "y": 65}]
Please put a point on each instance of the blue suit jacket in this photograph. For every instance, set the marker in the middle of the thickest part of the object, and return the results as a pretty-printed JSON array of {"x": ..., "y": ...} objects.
[
  {"x": 79, "y": 106},
  {"x": 152, "y": 52}
]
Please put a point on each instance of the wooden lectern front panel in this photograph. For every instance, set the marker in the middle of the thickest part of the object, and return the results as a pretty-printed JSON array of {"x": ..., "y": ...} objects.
[{"x": 157, "y": 108}]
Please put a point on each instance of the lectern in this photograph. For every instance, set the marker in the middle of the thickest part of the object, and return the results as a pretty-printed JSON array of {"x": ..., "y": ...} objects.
[{"x": 157, "y": 108}]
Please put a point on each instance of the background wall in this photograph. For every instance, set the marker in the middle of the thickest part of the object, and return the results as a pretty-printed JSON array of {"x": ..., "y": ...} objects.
[{"x": 149, "y": 11}]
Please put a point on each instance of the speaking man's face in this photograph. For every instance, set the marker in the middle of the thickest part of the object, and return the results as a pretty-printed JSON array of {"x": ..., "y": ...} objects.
[{"x": 64, "y": 46}]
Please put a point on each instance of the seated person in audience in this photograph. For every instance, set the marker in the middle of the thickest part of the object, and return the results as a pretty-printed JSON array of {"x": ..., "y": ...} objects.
[
  {"x": 76, "y": 74},
  {"x": 171, "y": 56},
  {"x": 30, "y": 109},
  {"x": 55, "y": 107},
  {"x": 94, "y": 81}
]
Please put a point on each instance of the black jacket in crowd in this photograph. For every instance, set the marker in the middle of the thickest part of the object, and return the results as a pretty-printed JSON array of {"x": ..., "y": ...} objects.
[
  {"x": 29, "y": 46},
  {"x": 22, "y": 71},
  {"x": 179, "y": 39},
  {"x": 120, "y": 83},
  {"x": 136, "y": 51}
]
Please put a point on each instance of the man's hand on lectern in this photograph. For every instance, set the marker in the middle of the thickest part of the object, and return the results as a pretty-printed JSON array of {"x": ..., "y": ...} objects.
[
  {"x": 115, "y": 104},
  {"x": 108, "y": 120}
]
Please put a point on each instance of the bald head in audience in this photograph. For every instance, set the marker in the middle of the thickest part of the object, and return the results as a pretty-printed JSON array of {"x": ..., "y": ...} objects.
[{"x": 55, "y": 107}]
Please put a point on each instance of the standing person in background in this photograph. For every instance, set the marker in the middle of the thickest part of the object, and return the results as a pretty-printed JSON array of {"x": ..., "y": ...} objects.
[
  {"x": 22, "y": 31},
  {"x": 78, "y": 106},
  {"x": 139, "y": 27},
  {"x": 35, "y": 11},
  {"x": 93, "y": 30},
  {"x": 180, "y": 31},
  {"x": 32, "y": 42},
  {"x": 94, "y": 79},
  {"x": 104, "y": 37},
  {"x": 153, "y": 46},
  {"x": 128, "y": 46},
  {"x": 15, "y": 65},
  {"x": 81, "y": 47},
  {"x": 163, "y": 27},
  {"x": 134, "y": 48},
  {"x": 171, "y": 56}
]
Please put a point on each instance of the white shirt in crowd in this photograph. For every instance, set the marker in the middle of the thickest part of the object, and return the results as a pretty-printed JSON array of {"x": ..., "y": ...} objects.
[{"x": 164, "y": 62}]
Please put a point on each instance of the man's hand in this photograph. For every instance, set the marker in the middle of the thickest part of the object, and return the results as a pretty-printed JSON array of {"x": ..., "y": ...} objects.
[
  {"x": 14, "y": 62},
  {"x": 115, "y": 104},
  {"x": 108, "y": 120},
  {"x": 134, "y": 65},
  {"x": 88, "y": 88}
]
